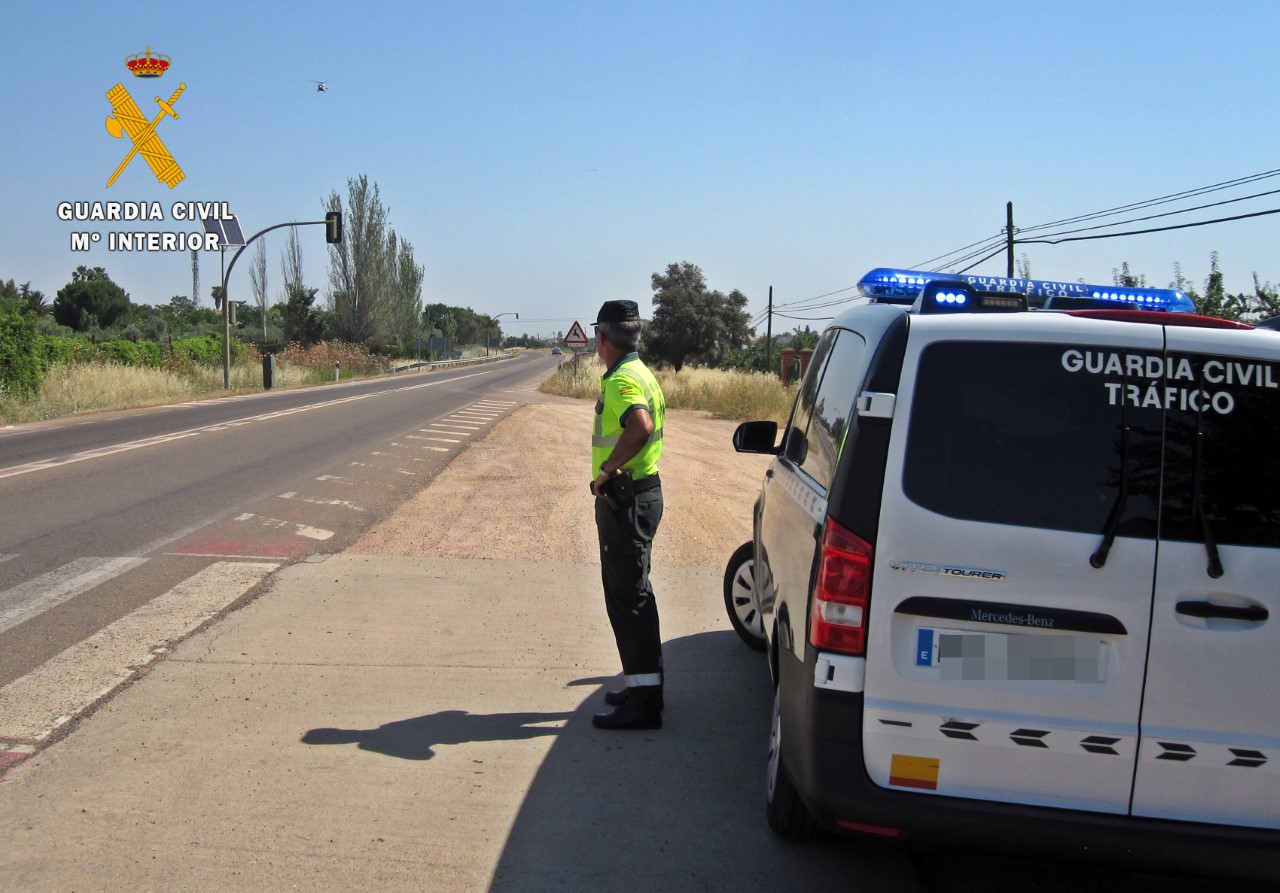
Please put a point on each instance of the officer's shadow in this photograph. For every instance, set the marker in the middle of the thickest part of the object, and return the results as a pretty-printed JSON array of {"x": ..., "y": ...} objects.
[{"x": 413, "y": 739}]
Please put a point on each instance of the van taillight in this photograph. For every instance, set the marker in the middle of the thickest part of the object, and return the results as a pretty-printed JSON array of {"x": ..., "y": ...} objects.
[{"x": 838, "y": 621}]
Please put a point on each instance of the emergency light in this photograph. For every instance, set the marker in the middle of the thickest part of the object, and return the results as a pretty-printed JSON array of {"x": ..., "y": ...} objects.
[
  {"x": 957, "y": 296},
  {"x": 1122, "y": 299},
  {"x": 895, "y": 286}
]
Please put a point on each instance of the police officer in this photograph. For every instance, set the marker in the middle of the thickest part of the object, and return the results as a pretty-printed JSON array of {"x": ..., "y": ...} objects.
[{"x": 626, "y": 443}]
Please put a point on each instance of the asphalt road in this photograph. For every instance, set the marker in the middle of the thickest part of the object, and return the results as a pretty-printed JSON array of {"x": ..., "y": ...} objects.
[{"x": 102, "y": 514}]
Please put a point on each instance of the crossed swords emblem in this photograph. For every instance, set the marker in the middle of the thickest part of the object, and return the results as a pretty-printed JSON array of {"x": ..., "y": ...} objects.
[{"x": 142, "y": 133}]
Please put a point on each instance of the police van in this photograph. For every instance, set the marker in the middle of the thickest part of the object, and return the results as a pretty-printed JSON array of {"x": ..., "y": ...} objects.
[{"x": 1015, "y": 562}]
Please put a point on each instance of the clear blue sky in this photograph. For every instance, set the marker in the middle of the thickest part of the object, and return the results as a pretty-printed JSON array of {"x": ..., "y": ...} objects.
[{"x": 545, "y": 157}]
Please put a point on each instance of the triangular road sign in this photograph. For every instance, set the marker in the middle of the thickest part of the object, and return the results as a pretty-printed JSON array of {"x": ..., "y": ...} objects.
[{"x": 576, "y": 337}]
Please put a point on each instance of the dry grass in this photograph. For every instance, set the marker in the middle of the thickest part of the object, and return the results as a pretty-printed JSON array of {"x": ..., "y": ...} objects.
[
  {"x": 68, "y": 389},
  {"x": 75, "y": 388},
  {"x": 319, "y": 358},
  {"x": 722, "y": 394}
]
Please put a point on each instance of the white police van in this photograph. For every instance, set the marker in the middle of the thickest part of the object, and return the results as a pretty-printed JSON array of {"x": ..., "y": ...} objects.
[{"x": 1015, "y": 566}]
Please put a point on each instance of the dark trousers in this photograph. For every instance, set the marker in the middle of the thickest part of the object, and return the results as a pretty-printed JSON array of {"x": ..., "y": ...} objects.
[{"x": 626, "y": 540}]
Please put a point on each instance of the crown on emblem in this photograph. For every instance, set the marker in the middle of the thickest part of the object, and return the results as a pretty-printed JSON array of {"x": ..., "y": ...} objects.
[{"x": 147, "y": 66}]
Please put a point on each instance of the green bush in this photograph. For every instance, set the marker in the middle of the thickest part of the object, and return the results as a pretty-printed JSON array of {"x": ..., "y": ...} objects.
[
  {"x": 66, "y": 350},
  {"x": 130, "y": 353},
  {"x": 20, "y": 351},
  {"x": 205, "y": 351}
]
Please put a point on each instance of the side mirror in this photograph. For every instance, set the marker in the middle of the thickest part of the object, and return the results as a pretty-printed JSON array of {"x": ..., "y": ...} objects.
[{"x": 756, "y": 437}]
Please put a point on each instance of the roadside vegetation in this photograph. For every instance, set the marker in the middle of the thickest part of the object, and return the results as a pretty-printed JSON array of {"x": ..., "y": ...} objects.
[
  {"x": 100, "y": 383},
  {"x": 722, "y": 393},
  {"x": 91, "y": 347}
]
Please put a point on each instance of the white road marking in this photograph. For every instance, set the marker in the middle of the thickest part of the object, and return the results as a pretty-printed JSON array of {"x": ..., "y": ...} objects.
[
  {"x": 41, "y": 593},
  {"x": 208, "y": 429},
  {"x": 313, "y": 533},
  {"x": 223, "y": 556},
  {"x": 33, "y": 706},
  {"x": 341, "y": 503},
  {"x": 91, "y": 454}
]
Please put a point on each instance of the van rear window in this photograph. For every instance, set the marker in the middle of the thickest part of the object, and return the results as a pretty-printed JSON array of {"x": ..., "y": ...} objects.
[{"x": 1023, "y": 434}]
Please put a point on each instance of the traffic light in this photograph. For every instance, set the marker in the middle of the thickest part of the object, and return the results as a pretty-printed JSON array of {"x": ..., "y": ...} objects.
[{"x": 333, "y": 227}]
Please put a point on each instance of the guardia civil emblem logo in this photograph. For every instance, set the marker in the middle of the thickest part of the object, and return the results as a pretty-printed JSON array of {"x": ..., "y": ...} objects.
[{"x": 128, "y": 120}]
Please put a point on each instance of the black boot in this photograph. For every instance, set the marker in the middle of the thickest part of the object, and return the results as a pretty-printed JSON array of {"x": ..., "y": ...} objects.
[
  {"x": 642, "y": 709},
  {"x": 619, "y": 697}
]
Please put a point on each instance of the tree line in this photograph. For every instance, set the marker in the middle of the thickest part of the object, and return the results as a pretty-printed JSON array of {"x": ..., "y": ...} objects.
[
  {"x": 375, "y": 298},
  {"x": 1214, "y": 299}
]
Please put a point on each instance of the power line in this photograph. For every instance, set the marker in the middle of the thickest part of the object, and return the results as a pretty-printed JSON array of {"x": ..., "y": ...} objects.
[
  {"x": 798, "y": 305},
  {"x": 1229, "y": 201},
  {"x": 1139, "y": 232},
  {"x": 1165, "y": 199},
  {"x": 803, "y": 318},
  {"x": 984, "y": 250},
  {"x": 980, "y": 260},
  {"x": 924, "y": 264}
]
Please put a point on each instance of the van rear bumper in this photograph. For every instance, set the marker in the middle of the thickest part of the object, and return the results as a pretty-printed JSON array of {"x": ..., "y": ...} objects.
[{"x": 822, "y": 749}]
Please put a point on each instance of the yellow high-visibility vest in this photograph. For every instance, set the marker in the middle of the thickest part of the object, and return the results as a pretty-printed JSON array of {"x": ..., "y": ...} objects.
[{"x": 629, "y": 383}]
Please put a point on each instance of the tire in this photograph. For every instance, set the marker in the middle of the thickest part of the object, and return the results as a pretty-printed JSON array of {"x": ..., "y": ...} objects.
[
  {"x": 739, "y": 597},
  {"x": 787, "y": 814}
]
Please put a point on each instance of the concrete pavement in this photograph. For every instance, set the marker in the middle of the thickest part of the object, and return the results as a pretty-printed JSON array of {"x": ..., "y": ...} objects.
[{"x": 412, "y": 724}]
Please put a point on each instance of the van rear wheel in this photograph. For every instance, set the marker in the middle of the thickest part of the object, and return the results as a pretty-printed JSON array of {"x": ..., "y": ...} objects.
[
  {"x": 787, "y": 814},
  {"x": 740, "y": 596}
]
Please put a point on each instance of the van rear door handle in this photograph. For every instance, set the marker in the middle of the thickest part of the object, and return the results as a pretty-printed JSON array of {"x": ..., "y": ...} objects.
[{"x": 1252, "y": 613}]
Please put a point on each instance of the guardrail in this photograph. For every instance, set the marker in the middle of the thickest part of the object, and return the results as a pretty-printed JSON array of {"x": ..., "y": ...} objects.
[{"x": 465, "y": 361}]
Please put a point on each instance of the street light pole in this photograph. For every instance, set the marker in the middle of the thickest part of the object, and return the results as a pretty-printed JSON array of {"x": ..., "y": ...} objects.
[
  {"x": 493, "y": 320},
  {"x": 226, "y": 298}
]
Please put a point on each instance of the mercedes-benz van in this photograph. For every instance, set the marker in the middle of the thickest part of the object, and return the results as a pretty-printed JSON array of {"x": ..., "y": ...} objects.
[{"x": 1016, "y": 565}]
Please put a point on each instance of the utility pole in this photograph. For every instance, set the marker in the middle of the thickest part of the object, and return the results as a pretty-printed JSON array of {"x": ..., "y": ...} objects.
[
  {"x": 1008, "y": 239},
  {"x": 768, "y": 335}
]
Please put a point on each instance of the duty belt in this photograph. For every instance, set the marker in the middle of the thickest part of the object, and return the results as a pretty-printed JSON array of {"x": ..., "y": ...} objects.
[{"x": 646, "y": 483}]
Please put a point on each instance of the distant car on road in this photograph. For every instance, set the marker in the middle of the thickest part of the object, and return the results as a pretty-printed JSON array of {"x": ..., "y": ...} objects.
[{"x": 555, "y": 351}]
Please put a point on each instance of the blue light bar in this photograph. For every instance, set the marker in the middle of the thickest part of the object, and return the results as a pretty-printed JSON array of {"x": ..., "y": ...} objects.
[
  {"x": 958, "y": 298},
  {"x": 891, "y": 285}
]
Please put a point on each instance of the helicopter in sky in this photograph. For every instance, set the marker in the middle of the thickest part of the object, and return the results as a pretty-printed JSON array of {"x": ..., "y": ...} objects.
[{"x": 321, "y": 86}]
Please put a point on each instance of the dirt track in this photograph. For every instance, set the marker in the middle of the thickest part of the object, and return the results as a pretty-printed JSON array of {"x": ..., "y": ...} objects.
[{"x": 521, "y": 493}]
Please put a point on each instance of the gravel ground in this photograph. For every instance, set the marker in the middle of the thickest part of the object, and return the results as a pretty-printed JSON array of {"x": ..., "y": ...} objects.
[{"x": 521, "y": 493}]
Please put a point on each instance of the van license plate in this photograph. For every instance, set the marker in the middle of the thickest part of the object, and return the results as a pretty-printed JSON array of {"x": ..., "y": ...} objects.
[{"x": 1020, "y": 657}]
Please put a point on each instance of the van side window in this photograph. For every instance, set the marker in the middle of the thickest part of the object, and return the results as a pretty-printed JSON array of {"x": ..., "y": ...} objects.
[
  {"x": 795, "y": 445},
  {"x": 833, "y": 406}
]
